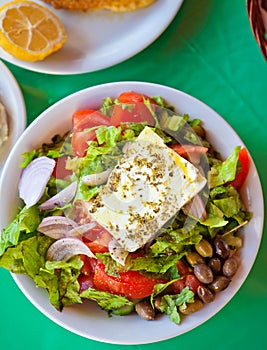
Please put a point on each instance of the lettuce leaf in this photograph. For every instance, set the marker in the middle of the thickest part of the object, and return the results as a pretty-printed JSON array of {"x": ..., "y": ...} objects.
[
  {"x": 215, "y": 217},
  {"x": 157, "y": 265},
  {"x": 58, "y": 278},
  {"x": 160, "y": 287},
  {"x": 22, "y": 227},
  {"x": 59, "y": 145},
  {"x": 108, "y": 135},
  {"x": 170, "y": 303},
  {"x": 109, "y": 302},
  {"x": 223, "y": 172},
  {"x": 176, "y": 240}
]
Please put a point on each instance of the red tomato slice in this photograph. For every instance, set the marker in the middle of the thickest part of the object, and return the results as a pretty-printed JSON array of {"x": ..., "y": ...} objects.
[
  {"x": 60, "y": 171},
  {"x": 242, "y": 173},
  {"x": 178, "y": 285},
  {"x": 140, "y": 113},
  {"x": 88, "y": 265},
  {"x": 79, "y": 142},
  {"x": 85, "y": 119},
  {"x": 192, "y": 282},
  {"x": 131, "y": 284},
  {"x": 87, "y": 273},
  {"x": 100, "y": 245},
  {"x": 183, "y": 269},
  {"x": 97, "y": 247},
  {"x": 186, "y": 150},
  {"x": 133, "y": 97},
  {"x": 88, "y": 118},
  {"x": 97, "y": 239},
  {"x": 189, "y": 280},
  {"x": 85, "y": 281}
]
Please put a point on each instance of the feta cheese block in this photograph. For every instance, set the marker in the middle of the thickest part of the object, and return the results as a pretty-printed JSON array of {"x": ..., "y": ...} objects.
[{"x": 147, "y": 188}]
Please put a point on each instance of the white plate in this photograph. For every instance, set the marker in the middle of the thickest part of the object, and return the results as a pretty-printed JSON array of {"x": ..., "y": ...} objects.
[
  {"x": 11, "y": 97},
  {"x": 88, "y": 320},
  {"x": 100, "y": 39}
]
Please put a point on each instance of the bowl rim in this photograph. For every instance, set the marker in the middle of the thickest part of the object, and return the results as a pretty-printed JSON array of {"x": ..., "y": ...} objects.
[
  {"x": 16, "y": 101},
  {"x": 142, "y": 86}
]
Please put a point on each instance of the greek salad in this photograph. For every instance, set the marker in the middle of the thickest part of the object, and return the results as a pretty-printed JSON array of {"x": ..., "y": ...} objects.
[{"x": 133, "y": 209}]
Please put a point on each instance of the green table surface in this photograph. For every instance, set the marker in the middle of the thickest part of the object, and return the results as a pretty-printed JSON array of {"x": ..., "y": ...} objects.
[{"x": 208, "y": 51}]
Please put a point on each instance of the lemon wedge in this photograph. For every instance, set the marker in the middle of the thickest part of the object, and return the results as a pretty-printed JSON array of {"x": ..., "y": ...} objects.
[{"x": 29, "y": 31}]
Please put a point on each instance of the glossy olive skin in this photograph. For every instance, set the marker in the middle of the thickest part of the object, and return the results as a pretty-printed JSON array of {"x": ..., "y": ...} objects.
[
  {"x": 191, "y": 307},
  {"x": 222, "y": 250},
  {"x": 203, "y": 273},
  {"x": 194, "y": 258},
  {"x": 145, "y": 310},
  {"x": 230, "y": 267},
  {"x": 216, "y": 265},
  {"x": 213, "y": 263},
  {"x": 219, "y": 283},
  {"x": 204, "y": 248},
  {"x": 205, "y": 294}
]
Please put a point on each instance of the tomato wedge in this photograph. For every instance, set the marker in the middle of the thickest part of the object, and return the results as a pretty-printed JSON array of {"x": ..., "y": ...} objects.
[
  {"x": 60, "y": 171},
  {"x": 188, "y": 150},
  {"x": 242, "y": 172},
  {"x": 87, "y": 273},
  {"x": 133, "y": 97},
  {"x": 138, "y": 114},
  {"x": 79, "y": 142},
  {"x": 131, "y": 284},
  {"x": 88, "y": 118},
  {"x": 189, "y": 280},
  {"x": 82, "y": 120}
]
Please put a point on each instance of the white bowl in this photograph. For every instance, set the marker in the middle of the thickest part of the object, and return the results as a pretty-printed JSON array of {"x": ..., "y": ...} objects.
[
  {"x": 12, "y": 99},
  {"x": 88, "y": 320}
]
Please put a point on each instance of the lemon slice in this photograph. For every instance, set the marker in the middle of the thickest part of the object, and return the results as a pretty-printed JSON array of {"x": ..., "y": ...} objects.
[
  {"x": 29, "y": 31},
  {"x": 112, "y": 5}
]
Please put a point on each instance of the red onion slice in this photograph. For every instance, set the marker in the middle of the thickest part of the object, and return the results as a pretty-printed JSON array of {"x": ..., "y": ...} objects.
[
  {"x": 82, "y": 229},
  {"x": 96, "y": 179},
  {"x": 65, "y": 248},
  {"x": 61, "y": 198},
  {"x": 56, "y": 226},
  {"x": 34, "y": 179}
]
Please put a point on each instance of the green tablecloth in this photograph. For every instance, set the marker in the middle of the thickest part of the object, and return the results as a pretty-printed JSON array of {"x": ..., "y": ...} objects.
[{"x": 209, "y": 52}]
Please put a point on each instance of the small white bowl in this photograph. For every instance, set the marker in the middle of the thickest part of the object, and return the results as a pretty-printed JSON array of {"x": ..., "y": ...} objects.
[
  {"x": 87, "y": 319},
  {"x": 12, "y": 99}
]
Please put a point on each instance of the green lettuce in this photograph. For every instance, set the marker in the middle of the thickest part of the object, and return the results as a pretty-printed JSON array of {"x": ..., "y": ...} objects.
[
  {"x": 176, "y": 240},
  {"x": 22, "y": 227},
  {"x": 160, "y": 287},
  {"x": 224, "y": 211},
  {"x": 59, "y": 278},
  {"x": 223, "y": 172},
  {"x": 156, "y": 265},
  {"x": 59, "y": 145},
  {"x": 108, "y": 135},
  {"x": 170, "y": 303},
  {"x": 110, "y": 302}
]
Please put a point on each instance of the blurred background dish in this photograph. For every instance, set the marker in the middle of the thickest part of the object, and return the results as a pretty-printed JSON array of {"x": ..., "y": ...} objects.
[
  {"x": 95, "y": 324},
  {"x": 13, "y": 101},
  {"x": 100, "y": 39}
]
